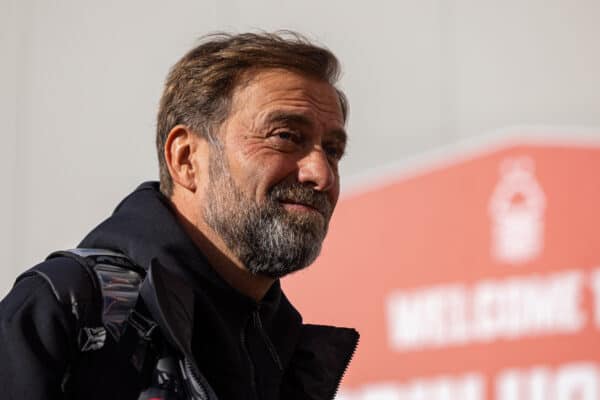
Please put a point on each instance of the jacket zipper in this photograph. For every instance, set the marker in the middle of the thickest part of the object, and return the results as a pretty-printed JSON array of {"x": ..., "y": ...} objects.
[
  {"x": 190, "y": 372},
  {"x": 265, "y": 337},
  {"x": 243, "y": 341},
  {"x": 339, "y": 381}
]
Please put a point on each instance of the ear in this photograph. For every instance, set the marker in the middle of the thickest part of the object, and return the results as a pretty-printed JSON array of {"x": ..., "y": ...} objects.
[{"x": 185, "y": 155}]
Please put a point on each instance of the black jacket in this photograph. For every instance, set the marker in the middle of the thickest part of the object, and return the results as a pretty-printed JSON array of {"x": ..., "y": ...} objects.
[{"x": 245, "y": 349}]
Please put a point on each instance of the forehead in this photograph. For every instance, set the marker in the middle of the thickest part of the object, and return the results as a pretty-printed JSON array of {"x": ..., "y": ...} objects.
[{"x": 275, "y": 91}]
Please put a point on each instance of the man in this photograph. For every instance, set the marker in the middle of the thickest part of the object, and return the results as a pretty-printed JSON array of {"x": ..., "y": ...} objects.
[{"x": 250, "y": 132}]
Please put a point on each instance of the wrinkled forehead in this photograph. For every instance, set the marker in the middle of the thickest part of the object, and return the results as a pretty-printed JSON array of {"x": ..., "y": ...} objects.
[{"x": 284, "y": 91}]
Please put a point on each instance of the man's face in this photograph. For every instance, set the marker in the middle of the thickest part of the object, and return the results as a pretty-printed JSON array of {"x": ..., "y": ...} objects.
[{"x": 274, "y": 173}]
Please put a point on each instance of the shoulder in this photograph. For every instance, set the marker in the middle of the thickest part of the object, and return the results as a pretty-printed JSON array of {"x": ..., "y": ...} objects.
[
  {"x": 47, "y": 292},
  {"x": 66, "y": 279},
  {"x": 33, "y": 316},
  {"x": 37, "y": 334}
]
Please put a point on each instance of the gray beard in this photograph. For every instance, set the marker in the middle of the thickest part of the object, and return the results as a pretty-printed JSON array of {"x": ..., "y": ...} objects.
[{"x": 266, "y": 238}]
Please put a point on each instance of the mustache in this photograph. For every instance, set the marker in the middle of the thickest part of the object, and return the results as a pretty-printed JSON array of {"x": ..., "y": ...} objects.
[{"x": 298, "y": 193}]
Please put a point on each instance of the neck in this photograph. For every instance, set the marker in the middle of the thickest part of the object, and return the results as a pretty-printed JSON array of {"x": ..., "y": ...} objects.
[{"x": 220, "y": 258}]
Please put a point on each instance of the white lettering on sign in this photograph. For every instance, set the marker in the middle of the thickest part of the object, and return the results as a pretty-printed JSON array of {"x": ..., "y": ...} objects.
[
  {"x": 576, "y": 381},
  {"x": 490, "y": 310},
  {"x": 570, "y": 381},
  {"x": 595, "y": 285},
  {"x": 465, "y": 387}
]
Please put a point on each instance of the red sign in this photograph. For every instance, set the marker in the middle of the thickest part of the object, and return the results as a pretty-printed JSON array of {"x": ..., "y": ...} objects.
[{"x": 478, "y": 280}]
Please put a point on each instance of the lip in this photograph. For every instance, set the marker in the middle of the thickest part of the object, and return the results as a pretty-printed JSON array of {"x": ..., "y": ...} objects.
[{"x": 291, "y": 205}]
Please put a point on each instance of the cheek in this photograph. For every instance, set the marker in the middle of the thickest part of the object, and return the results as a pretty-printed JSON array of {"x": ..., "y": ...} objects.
[
  {"x": 201, "y": 178},
  {"x": 276, "y": 173},
  {"x": 257, "y": 176},
  {"x": 270, "y": 171}
]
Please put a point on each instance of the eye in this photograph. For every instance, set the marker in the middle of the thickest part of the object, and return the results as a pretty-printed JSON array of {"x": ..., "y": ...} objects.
[
  {"x": 285, "y": 140},
  {"x": 334, "y": 151},
  {"x": 287, "y": 135}
]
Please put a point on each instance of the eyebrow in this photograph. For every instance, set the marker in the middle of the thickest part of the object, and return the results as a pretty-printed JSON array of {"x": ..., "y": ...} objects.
[{"x": 300, "y": 119}]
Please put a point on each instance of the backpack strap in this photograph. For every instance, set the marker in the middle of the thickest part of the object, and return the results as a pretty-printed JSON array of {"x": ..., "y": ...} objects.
[
  {"x": 101, "y": 288},
  {"x": 117, "y": 280}
]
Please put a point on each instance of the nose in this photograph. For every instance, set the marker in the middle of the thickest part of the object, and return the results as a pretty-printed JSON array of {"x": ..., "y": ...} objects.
[{"x": 316, "y": 171}]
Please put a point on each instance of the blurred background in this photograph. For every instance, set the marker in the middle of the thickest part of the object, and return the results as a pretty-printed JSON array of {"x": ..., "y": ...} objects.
[{"x": 471, "y": 172}]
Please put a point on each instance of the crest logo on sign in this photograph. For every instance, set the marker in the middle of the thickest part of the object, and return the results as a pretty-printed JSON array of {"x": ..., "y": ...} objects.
[{"x": 517, "y": 209}]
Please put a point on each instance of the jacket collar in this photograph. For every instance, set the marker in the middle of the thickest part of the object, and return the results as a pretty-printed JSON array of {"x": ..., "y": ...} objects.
[{"x": 143, "y": 226}]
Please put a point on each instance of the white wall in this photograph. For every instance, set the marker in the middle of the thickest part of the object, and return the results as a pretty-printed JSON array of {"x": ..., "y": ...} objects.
[
  {"x": 80, "y": 82},
  {"x": 8, "y": 115}
]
